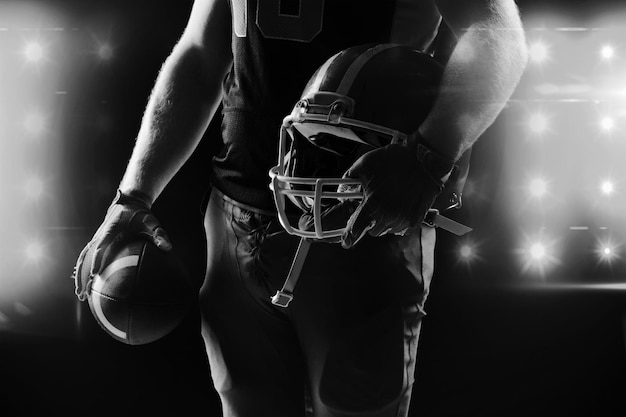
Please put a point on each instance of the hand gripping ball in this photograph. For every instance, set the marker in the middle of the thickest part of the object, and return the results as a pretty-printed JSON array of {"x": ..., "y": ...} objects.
[{"x": 141, "y": 294}]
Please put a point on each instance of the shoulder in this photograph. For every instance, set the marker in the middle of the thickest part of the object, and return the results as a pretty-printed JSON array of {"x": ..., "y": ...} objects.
[{"x": 209, "y": 22}]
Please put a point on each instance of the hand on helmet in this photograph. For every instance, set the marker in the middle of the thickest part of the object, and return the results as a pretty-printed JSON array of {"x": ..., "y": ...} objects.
[
  {"x": 333, "y": 218},
  {"x": 127, "y": 217},
  {"x": 397, "y": 193}
]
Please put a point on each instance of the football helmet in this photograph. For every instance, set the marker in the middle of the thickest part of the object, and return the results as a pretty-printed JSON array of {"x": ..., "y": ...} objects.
[{"x": 361, "y": 98}]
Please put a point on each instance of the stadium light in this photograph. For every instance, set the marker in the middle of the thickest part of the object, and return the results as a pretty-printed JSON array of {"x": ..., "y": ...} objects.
[
  {"x": 34, "y": 52},
  {"x": 607, "y": 124},
  {"x": 537, "y": 252},
  {"x": 607, "y": 52},
  {"x": 538, "y": 123},
  {"x": 538, "y": 187},
  {"x": 34, "y": 251},
  {"x": 538, "y": 255},
  {"x": 466, "y": 251},
  {"x": 607, "y": 187},
  {"x": 607, "y": 251},
  {"x": 538, "y": 52},
  {"x": 105, "y": 51}
]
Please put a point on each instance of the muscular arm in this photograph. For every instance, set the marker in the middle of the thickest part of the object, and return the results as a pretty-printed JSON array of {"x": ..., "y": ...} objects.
[
  {"x": 184, "y": 99},
  {"x": 481, "y": 74}
]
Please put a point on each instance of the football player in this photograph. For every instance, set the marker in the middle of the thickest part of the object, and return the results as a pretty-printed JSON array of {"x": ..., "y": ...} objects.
[{"x": 346, "y": 343}]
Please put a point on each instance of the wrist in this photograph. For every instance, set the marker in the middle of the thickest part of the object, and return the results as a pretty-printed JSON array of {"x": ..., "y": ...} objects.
[
  {"x": 133, "y": 197},
  {"x": 438, "y": 166}
]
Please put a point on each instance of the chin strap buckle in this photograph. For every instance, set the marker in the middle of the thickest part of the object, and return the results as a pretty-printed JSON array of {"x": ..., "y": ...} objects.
[{"x": 284, "y": 296}]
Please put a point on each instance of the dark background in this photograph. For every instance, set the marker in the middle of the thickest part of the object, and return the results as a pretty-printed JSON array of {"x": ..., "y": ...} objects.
[{"x": 491, "y": 345}]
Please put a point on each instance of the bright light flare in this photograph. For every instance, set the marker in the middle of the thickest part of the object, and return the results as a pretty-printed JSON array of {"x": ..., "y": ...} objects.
[
  {"x": 35, "y": 254},
  {"x": 607, "y": 124},
  {"x": 538, "y": 255},
  {"x": 35, "y": 251},
  {"x": 538, "y": 123},
  {"x": 607, "y": 251},
  {"x": 607, "y": 187},
  {"x": 34, "y": 52},
  {"x": 538, "y": 187},
  {"x": 607, "y": 52},
  {"x": 466, "y": 252},
  {"x": 537, "y": 252},
  {"x": 539, "y": 52},
  {"x": 105, "y": 52}
]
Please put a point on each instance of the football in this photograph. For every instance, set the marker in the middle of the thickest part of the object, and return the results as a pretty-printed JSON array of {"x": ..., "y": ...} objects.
[{"x": 141, "y": 294}]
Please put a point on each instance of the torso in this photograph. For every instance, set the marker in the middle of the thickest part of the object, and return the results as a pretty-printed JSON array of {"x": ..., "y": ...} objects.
[{"x": 274, "y": 54}]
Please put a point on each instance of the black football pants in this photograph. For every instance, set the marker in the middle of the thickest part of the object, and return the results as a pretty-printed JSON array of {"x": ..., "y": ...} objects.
[{"x": 346, "y": 345}]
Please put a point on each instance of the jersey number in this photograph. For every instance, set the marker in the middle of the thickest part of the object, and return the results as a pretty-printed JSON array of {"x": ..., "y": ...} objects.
[{"x": 294, "y": 20}]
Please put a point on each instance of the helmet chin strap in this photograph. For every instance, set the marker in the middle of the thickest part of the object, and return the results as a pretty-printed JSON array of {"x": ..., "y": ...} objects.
[{"x": 283, "y": 297}]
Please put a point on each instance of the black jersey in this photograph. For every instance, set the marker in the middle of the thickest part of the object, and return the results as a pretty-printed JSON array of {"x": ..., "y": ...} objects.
[{"x": 277, "y": 45}]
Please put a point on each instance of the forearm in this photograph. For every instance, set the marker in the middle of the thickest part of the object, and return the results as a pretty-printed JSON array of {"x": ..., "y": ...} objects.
[
  {"x": 479, "y": 78},
  {"x": 184, "y": 99}
]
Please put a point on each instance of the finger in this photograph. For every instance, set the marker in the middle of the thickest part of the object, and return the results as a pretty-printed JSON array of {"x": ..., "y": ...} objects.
[
  {"x": 80, "y": 261},
  {"x": 77, "y": 276},
  {"x": 398, "y": 230},
  {"x": 306, "y": 222},
  {"x": 403, "y": 232},
  {"x": 161, "y": 240},
  {"x": 355, "y": 170},
  {"x": 398, "y": 225},
  {"x": 352, "y": 172},
  {"x": 359, "y": 224},
  {"x": 333, "y": 218},
  {"x": 101, "y": 245},
  {"x": 96, "y": 262},
  {"x": 380, "y": 228},
  {"x": 147, "y": 225},
  {"x": 395, "y": 222}
]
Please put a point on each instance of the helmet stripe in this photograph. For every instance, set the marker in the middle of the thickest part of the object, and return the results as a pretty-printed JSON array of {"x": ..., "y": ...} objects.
[
  {"x": 353, "y": 70},
  {"x": 320, "y": 75}
]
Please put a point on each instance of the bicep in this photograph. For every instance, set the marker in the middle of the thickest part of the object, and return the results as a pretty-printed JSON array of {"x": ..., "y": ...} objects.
[
  {"x": 459, "y": 15},
  {"x": 209, "y": 29}
]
